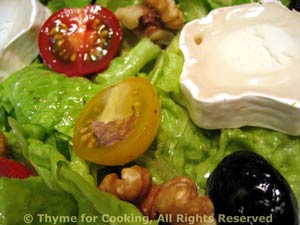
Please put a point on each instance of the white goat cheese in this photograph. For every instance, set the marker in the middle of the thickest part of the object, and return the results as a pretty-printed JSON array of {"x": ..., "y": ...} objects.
[
  {"x": 20, "y": 22},
  {"x": 242, "y": 68}
]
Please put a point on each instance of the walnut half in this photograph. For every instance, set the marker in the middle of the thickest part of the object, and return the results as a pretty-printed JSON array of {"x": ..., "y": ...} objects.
[
  {"x": 133, "y": 185},
  {"x": 176, "y": 198},
  {"x": 169, "y": 13},
  {"x": 179, "y": 197},
  {"x": 154, "y": 19}
]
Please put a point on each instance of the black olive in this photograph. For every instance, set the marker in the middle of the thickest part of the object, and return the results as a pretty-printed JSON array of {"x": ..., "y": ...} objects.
[
  {"x": 245, "y": 189},
  {"x": 295, "y": 4}
]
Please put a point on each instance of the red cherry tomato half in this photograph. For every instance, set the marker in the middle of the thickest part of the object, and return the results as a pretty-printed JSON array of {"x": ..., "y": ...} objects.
[
  {"x": 77, "y": 42},
  {"x": 13, "y": 169}
]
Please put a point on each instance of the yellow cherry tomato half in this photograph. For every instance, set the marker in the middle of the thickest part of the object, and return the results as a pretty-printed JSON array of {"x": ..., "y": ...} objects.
[{"x": 118, "y": 124}]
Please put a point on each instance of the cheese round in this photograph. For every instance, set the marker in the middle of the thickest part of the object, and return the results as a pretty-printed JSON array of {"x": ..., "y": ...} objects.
[
  {"x": 19, "y": 28},
  {"x": 242, "y": 67}
]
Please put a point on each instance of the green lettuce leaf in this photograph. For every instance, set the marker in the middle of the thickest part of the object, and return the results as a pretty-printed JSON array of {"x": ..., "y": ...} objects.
[
  {"x": 41, "y": 97},
  {"x": 167, "y": 69},
  {"x": 113, "y": 4},
  {"x": 55, "y": 5},
  {"x": 96, "y": 203},
  {"x": 129, "y": 64},
  {"x": 193, "y": 9},
  {"x": 91, "y": 202},
  {"x": 32, "y": 197},
  {"x": 181, "y": 146}
]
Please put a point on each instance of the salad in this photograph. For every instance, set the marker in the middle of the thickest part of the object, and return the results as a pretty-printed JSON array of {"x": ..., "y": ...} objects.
[{"x": 95, "y": 127}]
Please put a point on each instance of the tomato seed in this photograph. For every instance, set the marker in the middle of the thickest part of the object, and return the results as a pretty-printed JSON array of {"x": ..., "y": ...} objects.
[
  {"x": 84, "y": 130},
  {"x": 73, "y": 57},
  {"x": 86, "y": 137},
  {"x": 92, "y": 143}
]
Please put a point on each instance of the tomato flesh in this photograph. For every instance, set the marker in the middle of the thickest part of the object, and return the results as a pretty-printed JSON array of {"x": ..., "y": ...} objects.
[
  {"x": 77, "y": 42},
  {"x": 13, "y": 169},
  {"x": 118, "y": 124}
]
